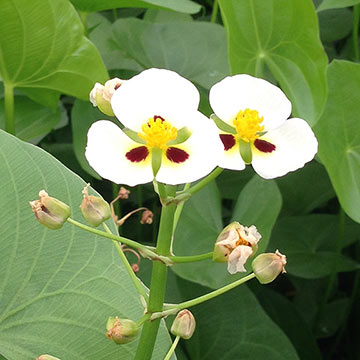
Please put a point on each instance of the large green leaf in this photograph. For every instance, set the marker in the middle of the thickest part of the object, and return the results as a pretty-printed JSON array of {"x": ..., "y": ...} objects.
[
  {"x": 196, "y": 50},
  {"x": 200, "y": 224},
  {"x": 42, "y": 46},
  {"x": 282, "y": 35},
  {"x": 309, "y": 242},
  {"x": 31, "y": 119},
  {"x": 57, "y": 288},
  {"x": 333, "y": 4},
  {"x": 338, "y": 132},
  {"x": 185, "y": 6},
  {"x": 234, "y": 326}
]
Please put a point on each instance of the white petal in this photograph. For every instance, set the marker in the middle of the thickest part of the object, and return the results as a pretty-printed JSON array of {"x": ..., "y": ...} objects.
[
  {"x": 204, "y": 148},
  {"x": 295, "y": 144},
  {"x": 239, "y": 92},
  {"x": 105, "y": 152},
  {"x": 231, "y": 159},
  {"x": 237, "y": 259},
  {"x": 250, "y": 234},
  {"x": 154, "y": 92}
]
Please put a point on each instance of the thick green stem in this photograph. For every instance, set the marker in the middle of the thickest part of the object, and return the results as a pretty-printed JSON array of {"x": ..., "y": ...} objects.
[
  {"x": 172, "y": 349},
  {"x": 213, "y": 175},
  {"x": 215, "y": 11},
  {"x": 9, "y": 108},
  {"x": 111, "y": 236},
  {"x": 158, "y": 282},
  {"x": 136, "y": 281},
  {"x": 191, "y": 258},
  {"x": 355, "y": 34}
]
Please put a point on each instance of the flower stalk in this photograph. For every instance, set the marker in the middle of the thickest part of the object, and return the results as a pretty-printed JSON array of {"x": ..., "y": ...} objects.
[{"x": 9, "y": 108}]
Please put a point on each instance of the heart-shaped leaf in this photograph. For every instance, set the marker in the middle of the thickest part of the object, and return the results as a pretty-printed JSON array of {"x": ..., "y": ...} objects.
[
  {"x": 283, "y": 36},
  {"x": 57, "y": 287}
]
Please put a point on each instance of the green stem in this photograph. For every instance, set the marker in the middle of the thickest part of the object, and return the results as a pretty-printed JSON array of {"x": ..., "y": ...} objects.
[
  {"x": 333, "y": 275},
  {"x": 9, "y": 108},
  {"x": 192, "y": 258},
  {"x": 136, "y": 281},
  {"x": 172, "y": 349},
  {"x": 211, "y": 295},
  {"x": 214, "y": 11},
  {"x": 111, "y": 236},
  {"x": 213, "y": 175},
  {"x": 83, "y": 18},
  {"x": 355, "y": 34},
  {"x": 144, "y": 318},
  {"x": 115, "y": 15},
  {"x": 158, "y": 282},
  {"x": 180, "y": 208}
]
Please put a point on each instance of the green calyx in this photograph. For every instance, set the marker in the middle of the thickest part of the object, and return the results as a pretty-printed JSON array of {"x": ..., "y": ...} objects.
[
  {"x": 222, "y": 125},
  {"x": 156, "y": 157},
  {"x": 182, "y": 135},
  {"x": 245, "y": 151}
]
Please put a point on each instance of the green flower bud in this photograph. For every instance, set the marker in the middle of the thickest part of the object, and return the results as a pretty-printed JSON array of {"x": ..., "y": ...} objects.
[
  {"x": 121, "y": 331},
  {"x": 268, "y": 266},
  {"x": 184, "y": 324},
  {"x": 100, "y": 95},
  {"x": 49, "y": 211},
  {"x": 95, "y": 210},
  {"x": 47, "y": 357}
]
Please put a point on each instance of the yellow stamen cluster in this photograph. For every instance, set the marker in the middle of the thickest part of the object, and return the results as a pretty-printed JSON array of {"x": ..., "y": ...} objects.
[
  {"x": 241, "y": 241},
  {"x": 247, "y": 124},
  {"x": 157, "y": 133}
]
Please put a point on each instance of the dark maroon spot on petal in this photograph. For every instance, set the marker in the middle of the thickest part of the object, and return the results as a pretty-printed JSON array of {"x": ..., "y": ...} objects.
[
  {"x": 137, "y": 154},
  {"x": 158, "y": 117},
  {"x": 228, "y": 141},
  {"x": 176, "y": 155},
  {"x": 264, "y": 146},
  {"x": 117, "y": 86}
]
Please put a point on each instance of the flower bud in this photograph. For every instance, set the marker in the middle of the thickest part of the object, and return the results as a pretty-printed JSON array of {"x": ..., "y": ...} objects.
[
  {"x": 229, "y": 233},
  {"x": 95, "y": 210},
  {"x": 184, "y": 324},
  {"x": 121, "y": 331},
  {"x": 147, "y": 217},
  {"x": 268, "y": 266},
  {"x": 101, "y": 95},
  {"x": 47, "y": 357},
  {"x": 49, "y": 211}
]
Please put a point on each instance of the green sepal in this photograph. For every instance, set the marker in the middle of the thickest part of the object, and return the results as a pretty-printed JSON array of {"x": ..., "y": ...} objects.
[
  {"x": 222, "y": 125},
  {"x": 245, "y": 151},
  {"x": 182, "y": 135},
  {"x": 156, "y": 157},
  {"x": 133, "y": 135}
]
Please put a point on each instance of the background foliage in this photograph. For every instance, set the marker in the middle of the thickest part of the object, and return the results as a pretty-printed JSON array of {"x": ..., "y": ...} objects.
[{"x": 58, "y": 288}]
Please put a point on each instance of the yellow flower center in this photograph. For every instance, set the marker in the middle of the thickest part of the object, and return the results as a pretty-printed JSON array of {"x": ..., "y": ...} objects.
[
  {"x": 247, "y": 124},
  {"x": 241, "y": 241},
  {"x": 157, "y": 133}
]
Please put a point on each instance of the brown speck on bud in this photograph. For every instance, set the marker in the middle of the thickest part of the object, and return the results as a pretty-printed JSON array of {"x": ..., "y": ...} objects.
[
  {"x": 49, "y": 211},
  {"x": 135, "y": 268},
  {"x": 184, "y": 324},
  {"x": 268, "y": 266},
  {"x": 121, "y": 331},
  {"x": 95, "y": 210},
  {"x": 147, "y": 217},
  {"x": 123, "y": 193}
]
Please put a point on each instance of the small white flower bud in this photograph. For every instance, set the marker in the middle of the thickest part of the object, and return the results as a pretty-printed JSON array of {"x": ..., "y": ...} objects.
[
  {"x": 100, "y": 95},
  {"x": 184, "y": 324},
  {"x": 95, "y": 210},
  {"x": 49, "y": 211},
  {"x": 121, "y": 331},
  {"x": 47, "y": 357},
  {"x": 268, "y": 266}
]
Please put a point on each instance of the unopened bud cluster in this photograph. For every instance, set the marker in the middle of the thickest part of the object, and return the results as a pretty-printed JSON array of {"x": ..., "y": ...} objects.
[{"x": 121, "y": 331}]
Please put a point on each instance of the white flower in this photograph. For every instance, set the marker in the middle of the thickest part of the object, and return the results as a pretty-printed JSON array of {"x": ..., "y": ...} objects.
[
  {"x": 165, "y": 136},
  {"x": 236, "y": 244},
  {"x": 256, "y": 128}
]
